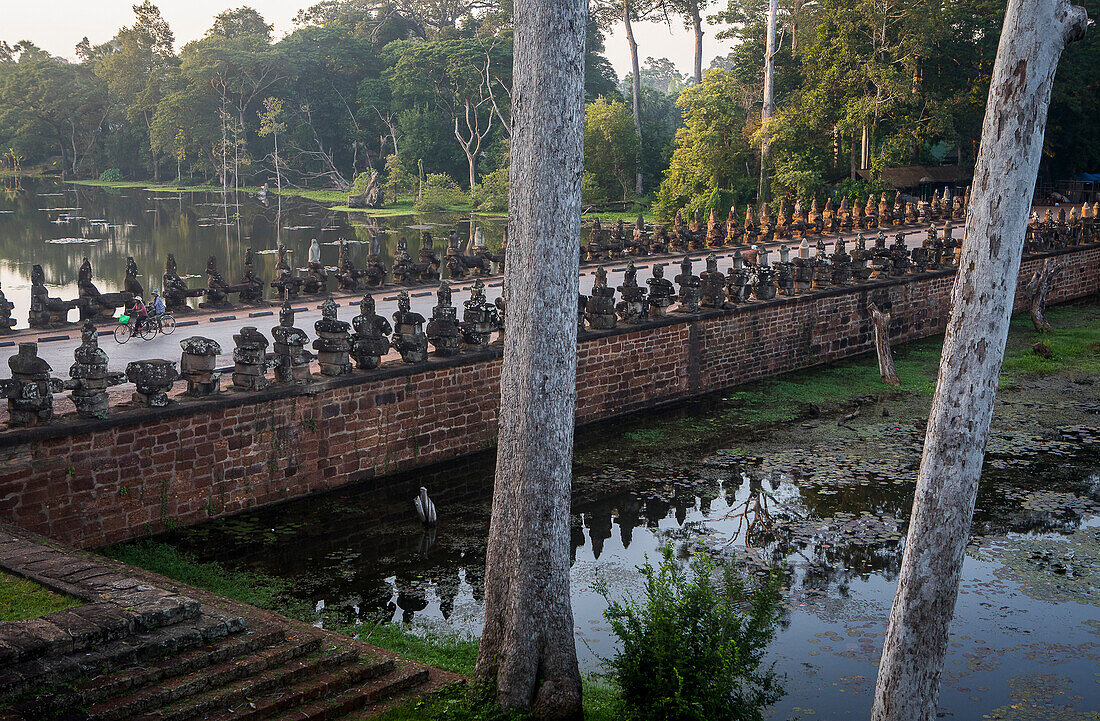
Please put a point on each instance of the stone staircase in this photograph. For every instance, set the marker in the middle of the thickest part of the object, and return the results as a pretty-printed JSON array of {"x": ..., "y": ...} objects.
[{"x": 169, "y": 657}]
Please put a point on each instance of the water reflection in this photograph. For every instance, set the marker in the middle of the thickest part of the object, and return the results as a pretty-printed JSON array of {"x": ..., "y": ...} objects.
[{"x": 56, "y": 225}]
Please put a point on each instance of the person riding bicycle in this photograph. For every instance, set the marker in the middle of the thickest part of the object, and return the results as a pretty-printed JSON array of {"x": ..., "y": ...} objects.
[
  {"x": 157, "y": 304},
  {"x": 139, "y": 311}
]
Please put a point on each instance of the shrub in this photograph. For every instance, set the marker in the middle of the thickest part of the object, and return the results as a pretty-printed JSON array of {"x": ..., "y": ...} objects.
[
  {"x": 111, "y": 175},
  {"x": 491, "y": 194},
  {"x": 398, "y": 180},
  {"x": 694, "y": 648},
  {"x": 441, "y": 192}
]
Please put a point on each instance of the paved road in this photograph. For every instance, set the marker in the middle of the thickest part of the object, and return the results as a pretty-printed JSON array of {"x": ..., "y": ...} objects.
[{"x": 59, "y": 353}]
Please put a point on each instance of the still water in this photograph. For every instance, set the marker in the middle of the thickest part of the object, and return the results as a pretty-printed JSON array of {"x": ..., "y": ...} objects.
[
  {"x": 58, "y": 224},
  {"x": 826, "y": 504}
]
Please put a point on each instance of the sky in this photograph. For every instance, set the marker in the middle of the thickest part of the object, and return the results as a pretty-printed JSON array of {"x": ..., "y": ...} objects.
[{"x": 58, "y": 25}]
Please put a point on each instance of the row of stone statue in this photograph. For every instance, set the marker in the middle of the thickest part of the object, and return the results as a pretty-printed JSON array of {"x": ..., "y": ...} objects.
[
  {"x": 365, "y": 340},
  {"x": 369, "y": 337},
  {"x": 48, "y": 312},
  {"x": 715, "y": 233}
]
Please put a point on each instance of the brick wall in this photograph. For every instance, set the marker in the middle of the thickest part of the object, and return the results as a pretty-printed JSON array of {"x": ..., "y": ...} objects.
[{"x": 141, "y": 470}]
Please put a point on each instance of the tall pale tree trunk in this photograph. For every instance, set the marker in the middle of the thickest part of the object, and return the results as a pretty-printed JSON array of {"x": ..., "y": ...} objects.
[
  {"x": 636, "y": 85},
  {"x": 1034, "y": 34},
  {"x": 769, "y": 100},
  {"x": 697, "y": 27},
  {"x": 527, "y": 646}
]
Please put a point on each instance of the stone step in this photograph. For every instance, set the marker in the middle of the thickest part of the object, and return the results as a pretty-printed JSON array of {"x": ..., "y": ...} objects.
[
  {"x": 323, "y": 686},
  {"x": 207, "y": 684},
  {"x": 116, "y": 654},
  {"x": 133, "y": 608},
  {"x": 358, "y": 697},
  {"x": 103, "y": 686}
]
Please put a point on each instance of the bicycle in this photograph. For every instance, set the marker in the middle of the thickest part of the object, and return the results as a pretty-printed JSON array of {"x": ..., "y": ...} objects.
[{"x": 127, "y": 327}]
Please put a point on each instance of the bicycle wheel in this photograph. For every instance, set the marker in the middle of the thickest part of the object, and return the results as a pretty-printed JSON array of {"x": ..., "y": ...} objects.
[
  {"x": 167, "y": 324},
  {"x": 148, "y": 329},
  {"x": 123, "y": 332}
]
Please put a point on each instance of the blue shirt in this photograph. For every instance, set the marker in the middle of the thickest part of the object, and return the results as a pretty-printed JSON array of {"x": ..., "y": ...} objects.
[{"x": 158, "y": 304}]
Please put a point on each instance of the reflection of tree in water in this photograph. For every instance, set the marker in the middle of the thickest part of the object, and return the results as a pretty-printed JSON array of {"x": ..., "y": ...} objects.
[{"x": 148, "y": 225}]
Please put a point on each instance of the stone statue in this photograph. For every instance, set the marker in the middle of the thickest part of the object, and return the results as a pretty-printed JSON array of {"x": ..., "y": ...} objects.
[
  {"x": 660, "y": 241},
  {"x": 285, "y": 281},
  {"x": 291, "y": 357},
  {"x": 841, "y": 263},
  {"x": 217, "y": 290},
  {"x": 632, "y": 307},
  {"x": 153, "y": 379},
  {"x": 712, "y": 285},
  {"x": 403, "y": 272},
  {"x": 499, "y": 303},
  {"x": 6, "y": 307},
  {"x": 737, "y": 280},
  {"x": 784, "y": 272},
  {"x": 661, "y": 293},
  {"x": 899, "y": 255},
  {"x": 370, "y": 341},
  {"x": 861, "y": 269},
  {"x": 374, "y": 268},
  {"x": 251, "y": 287},
  {"x": 333, "y": 344},
  {"x": 822, "y": 273},
  {"x": 600, "y": 309},
  {"x": 89, "y": 374},
  {"x": 716, "y": 232},
  {"x": 316, "y": 280},
  {"x": 250, "y": 360},
  {"x": 198, "y": 364},
  {"x": 880, "y": 258},
  {"x": 459, "y": 264},
  {"x": 176, "y": 291},
  {"x": 408, "y": 337},
  {"x": 479, "y": 317},
  {"x": 30, "y": 389},
  {"x": 443, "y": 331},
  {"x": 428, "y": 267},
  {"x": 689, "y": 290},
  {"x": 93, "y": 303},
  {"x": 349, "y": 279},
  {"x": 132, "y": 285},
  {"x": 734, "y": 231},
  {"x": 46, "y": 312}
]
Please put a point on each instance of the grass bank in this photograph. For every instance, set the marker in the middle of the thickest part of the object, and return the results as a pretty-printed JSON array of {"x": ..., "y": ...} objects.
[
  {"x": 21, "y": 599},
  {"x": 754, "y": 409},
  {"x": 335, "y": 199}
]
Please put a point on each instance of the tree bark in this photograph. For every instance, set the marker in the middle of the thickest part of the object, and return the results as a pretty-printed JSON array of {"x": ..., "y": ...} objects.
[
  {"x": 636, "y": 86},
  {"x": 1034, "y": 35},
  {"x": 527, "y": 646},
  {"x": 769, "y": 100},
  {"x": 881, "y": 322},
  {"x": 1039, "y": 286}
]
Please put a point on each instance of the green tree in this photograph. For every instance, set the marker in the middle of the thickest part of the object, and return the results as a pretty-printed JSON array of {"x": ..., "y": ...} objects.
[
  {"x": 711, "y": 150},
  {"x": 271, "y": 125},
  {"x": 610, "y": 146}
]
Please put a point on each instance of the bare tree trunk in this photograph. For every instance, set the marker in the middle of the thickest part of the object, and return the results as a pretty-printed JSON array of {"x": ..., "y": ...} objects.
[
  {"x": 697, "y": 26},
  {"x": 1034, "y": 35},
  {"x": 881, "y": 322},
  {"x": 769, "y": 100},
  {"x": 1039, "y": 286},
  {"x": 527, "y": 646},
  {"x": 636, "y": 86}
]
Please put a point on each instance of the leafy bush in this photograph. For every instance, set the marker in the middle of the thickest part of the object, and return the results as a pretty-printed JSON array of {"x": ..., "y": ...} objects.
[
  {"x": 440, "y": 193},
  {"x": 858, "y": 188},
  {"x": 398, "y": 180},
  {"x": 694, "y": 648},
  {"x": 111, "y": 175},
  {"x": 591, "y": 191},
  {"x": 491, "y": 194}
]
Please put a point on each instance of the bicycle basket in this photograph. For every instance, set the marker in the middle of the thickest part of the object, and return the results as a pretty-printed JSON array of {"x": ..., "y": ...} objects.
[{"x": 124, "y": 318}]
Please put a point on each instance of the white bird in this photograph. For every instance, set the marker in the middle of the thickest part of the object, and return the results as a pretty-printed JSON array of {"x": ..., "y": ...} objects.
[{"x": 425, "y": 508}]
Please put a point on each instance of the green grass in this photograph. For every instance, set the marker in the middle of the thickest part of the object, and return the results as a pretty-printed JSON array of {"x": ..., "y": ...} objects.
[
  {"x": 21, "y": 599},
  {"x": 449, "y": 652},
  {"x": 475, "y": 704},
  {"x": 251, "y": 587},
  {"x": 1074, "y": 342}
]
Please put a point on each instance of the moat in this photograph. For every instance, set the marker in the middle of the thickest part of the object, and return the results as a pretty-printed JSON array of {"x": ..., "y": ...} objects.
[{"x": 824, "y": 495}]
